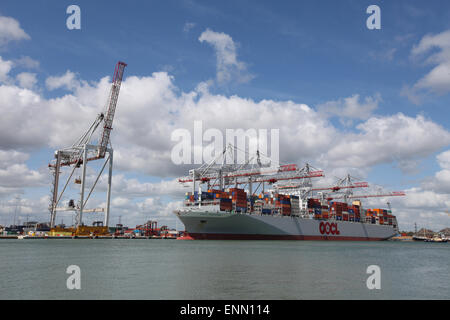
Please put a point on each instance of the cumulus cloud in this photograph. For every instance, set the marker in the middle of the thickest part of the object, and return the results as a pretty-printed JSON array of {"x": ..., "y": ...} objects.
[
  {"x": 67, "y": 81},
  {"x": 27, "y": 62},
  {"x": 437, "y": 80},
  {"x": 26, "y": 79},
  {"x": 424, "y": 207},
  {"x": 351, "y": 107},
  {"x": 132, "y": 188},
  {"x": 228, "y": 66},
  {"x": 10, "y": 30},
  {"x": 440, "y": 182},
  {"x": 23, "y": 209},
  {"x": 386, "y": 139},
  {"x": 5, "y": 68},
  {"x": 444, "y": 160},
  {"x": 151, "y": 108},
  {"x": 15, "y": 174}
]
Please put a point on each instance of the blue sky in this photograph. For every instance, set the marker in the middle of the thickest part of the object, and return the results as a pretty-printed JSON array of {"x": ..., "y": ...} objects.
[{"x": 307, "y": 52}]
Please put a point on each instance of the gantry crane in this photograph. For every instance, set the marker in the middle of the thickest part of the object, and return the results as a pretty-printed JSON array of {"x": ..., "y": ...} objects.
[
  {"x": 82, "y": 151},
  {"x": 217, "y": 173}
]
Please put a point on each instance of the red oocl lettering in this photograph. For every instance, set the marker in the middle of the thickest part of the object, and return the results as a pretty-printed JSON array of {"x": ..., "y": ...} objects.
[
  {"x": 333, "y": 228},
  {"x": 327, "y": 228},
  {"x": 322, "y": 228}
]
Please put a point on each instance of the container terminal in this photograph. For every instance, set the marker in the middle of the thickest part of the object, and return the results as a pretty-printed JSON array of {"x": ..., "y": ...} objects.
[
  {"x": 276, "y": 202},
  {"x": 35, "y": 230}
]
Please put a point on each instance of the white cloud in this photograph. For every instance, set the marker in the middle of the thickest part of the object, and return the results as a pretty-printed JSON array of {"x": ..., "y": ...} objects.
[
  {"x": 387, "y": 139},
  {"x": 437, "y": 80},
  {"x": 24, "y": 209},
  {"x": 351, "y": 107},
  {"x": 10, "y": 157},
  {"x": 150, "y": 108},
  {"x": 26, "y": 62},
  {"x": 5, "y": 68},
  {"x": 427, "y": 204},
  {"x": 26, "y": 79},
  {"x": 424, "y": 207},
  {"x": 10, "y": 30},
  {"x": 67, "y": 81},
  {"x": 440, "y": 182},
  {"x": 444, "y": 160},
  {"x": 15, "y": 175},
  {"x": 228, "y": 66},
  {"x": 120, "y": 202},
  {"x": 132, "y": 188}
]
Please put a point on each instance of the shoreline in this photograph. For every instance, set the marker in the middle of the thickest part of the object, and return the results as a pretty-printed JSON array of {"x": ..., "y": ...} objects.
[{"x": 86, "y": 237}]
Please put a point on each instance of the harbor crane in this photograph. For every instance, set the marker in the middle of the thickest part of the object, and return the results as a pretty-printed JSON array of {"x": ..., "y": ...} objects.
[
  {"x": 218, "y": 173},
  {"x": 287, "y": 179},
  {"x": 81, "y": 152}
]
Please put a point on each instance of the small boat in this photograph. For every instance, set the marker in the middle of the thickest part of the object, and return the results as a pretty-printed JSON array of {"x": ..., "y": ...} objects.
[{"x": 437, "y": 239}]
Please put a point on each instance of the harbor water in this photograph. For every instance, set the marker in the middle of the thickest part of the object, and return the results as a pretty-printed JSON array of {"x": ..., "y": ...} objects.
[{"x": 174, "y": 269}]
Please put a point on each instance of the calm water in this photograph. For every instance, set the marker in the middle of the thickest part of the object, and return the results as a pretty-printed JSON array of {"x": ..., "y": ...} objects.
[{"x": 170, "y": 269}]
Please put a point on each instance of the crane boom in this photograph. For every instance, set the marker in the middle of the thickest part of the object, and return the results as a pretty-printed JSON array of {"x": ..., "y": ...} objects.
[
  {"x": 313, "y": 174},
  {"x": 337, "y": 188},
  {"x": 244, "y": 173},
  {"x": 111, "y": 108},
  {"x": 381, "y": 195},
  {"x": 334, "y": 189}
]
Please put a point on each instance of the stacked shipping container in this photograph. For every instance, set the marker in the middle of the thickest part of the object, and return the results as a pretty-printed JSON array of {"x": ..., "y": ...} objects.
[
  {"x": 235, "y": 199},
  {"x": 239, "y": 199},
  {"x": 283, "y": 204}
]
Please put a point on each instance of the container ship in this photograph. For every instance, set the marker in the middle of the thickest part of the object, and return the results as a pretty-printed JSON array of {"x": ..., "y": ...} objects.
[
  {"x": 229, "y": 214},
  {"x": 284, "y": 212}
]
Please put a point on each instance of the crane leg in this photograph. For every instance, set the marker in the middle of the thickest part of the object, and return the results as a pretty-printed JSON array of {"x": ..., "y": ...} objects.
[
  {"x": 55, "y": 190},
  {"x": 108, "y": 195},
  {"x": 83, "y": 180}
]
